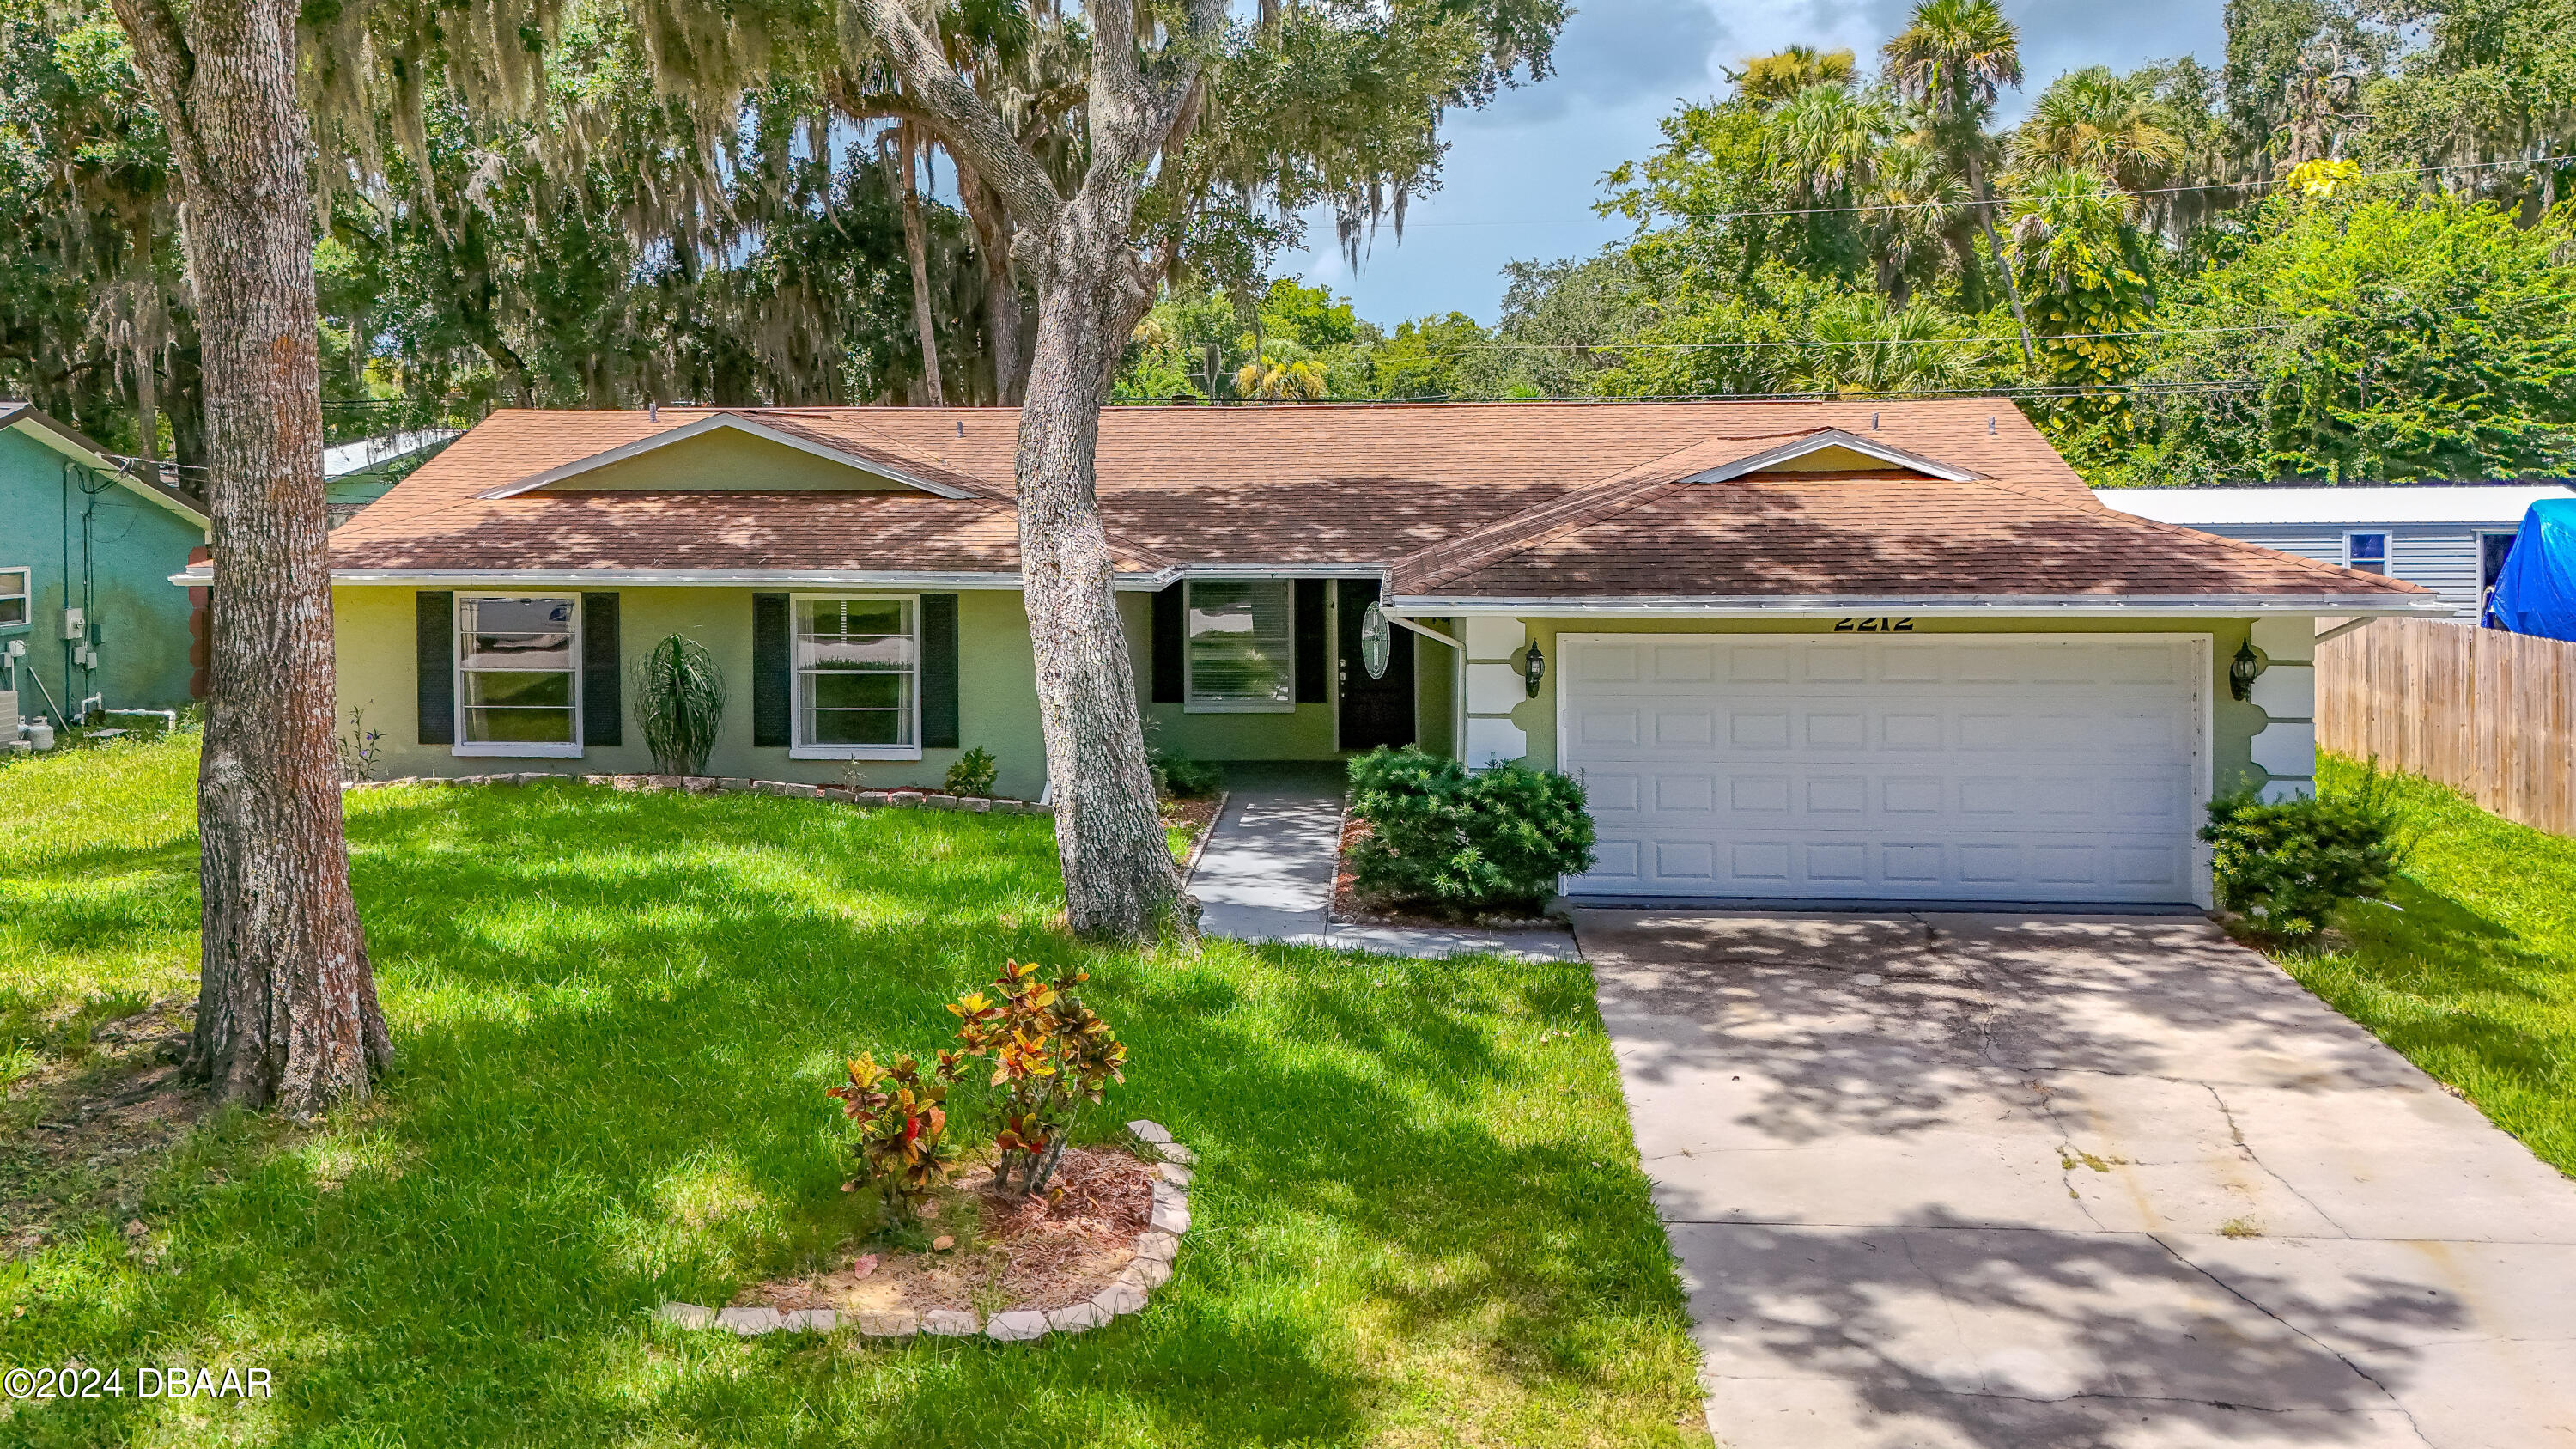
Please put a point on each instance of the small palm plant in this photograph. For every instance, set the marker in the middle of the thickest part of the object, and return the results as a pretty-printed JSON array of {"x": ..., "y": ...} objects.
[{"x": 680, "y": 695}]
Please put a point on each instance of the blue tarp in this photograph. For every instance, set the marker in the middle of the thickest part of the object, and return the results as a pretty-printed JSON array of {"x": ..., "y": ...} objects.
[{"x": 2536, "y": 593}]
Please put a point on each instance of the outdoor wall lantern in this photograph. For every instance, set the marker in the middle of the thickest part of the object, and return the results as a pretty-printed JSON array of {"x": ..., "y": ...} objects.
[
  {"x": 1533, "y": 668},
  {"x": 2241, "y": 671}
]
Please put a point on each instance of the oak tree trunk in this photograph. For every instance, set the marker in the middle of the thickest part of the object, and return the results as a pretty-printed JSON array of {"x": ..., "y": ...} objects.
[
  {"x": 286, "y": 1007},
  {"x": 1001, "y": 287},
  {"x": 1119, "y": 877},
  {"x": 916, "y": 249}
]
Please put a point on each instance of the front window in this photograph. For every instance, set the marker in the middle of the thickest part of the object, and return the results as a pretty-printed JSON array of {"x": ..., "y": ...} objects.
[
  {"x": 2367, "y": 552},
  {"x": 516, "y": 690},
  {"x": 858, "y": 677},
  {"x": 1242, "y": 634},
  {"x": 13, "y": 597}
]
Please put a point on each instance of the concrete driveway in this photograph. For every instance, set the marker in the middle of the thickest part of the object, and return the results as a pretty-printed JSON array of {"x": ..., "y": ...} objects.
[{"x": 2029, "y": 1181}]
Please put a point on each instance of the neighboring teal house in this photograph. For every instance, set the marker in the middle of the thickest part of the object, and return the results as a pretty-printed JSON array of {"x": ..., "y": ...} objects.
[{"x": 78, "y": 535}]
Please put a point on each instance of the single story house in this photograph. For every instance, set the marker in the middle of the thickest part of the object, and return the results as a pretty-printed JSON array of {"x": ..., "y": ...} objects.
[
  {"x": 2452, "y": 538},
  {"x": 357, "y": 474},
  {"x": 87, "y": 617},
  {"x": 1794, "y": 650}
]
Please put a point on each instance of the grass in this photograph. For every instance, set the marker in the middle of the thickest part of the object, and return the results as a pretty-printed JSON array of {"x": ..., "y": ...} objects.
[
  {"x": 2473, "y": 977},
  {"x": 1419, "y": 1215}
]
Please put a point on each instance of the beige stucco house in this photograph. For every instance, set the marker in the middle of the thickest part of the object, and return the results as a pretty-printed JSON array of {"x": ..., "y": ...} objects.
[{"x": 1796, "y": 651}]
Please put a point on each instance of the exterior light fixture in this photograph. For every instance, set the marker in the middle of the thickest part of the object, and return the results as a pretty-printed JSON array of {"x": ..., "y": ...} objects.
[
  {"x": 1533, "y": 668},
  {"x": 2242, "y": 669}
]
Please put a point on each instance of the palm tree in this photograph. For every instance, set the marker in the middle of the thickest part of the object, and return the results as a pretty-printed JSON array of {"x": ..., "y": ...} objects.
[
  {"x": 2092, "y": 120},
  {"x": 1952, "y": 60},
  {"x": 1767, "y": 80},
  {"x": 1826, "y": 140},
  {"x": 1919, "y": 205}
]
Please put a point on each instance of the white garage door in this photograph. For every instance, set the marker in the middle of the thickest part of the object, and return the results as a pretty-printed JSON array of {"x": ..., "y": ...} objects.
[{"x": 1895, "y": 767}]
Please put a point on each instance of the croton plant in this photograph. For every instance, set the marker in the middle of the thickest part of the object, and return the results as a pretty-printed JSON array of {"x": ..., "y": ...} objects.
[{"x": 1049, "y": 1054}]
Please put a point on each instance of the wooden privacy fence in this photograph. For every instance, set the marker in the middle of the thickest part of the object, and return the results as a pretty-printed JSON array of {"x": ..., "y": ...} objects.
[{"x": 2485, "y": 712}]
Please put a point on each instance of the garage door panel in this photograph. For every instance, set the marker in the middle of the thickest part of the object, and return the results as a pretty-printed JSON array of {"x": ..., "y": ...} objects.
[{"x": 1904, "y": 768}]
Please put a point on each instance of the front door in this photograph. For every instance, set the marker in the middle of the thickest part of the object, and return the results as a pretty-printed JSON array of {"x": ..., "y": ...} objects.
[{"x": 1374, "y": 711}]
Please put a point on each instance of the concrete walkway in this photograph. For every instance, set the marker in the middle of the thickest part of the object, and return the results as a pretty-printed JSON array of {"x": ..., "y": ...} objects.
[
  {"x": 2024, "y": 1182},
  {"x": 1267, "y": 875}
]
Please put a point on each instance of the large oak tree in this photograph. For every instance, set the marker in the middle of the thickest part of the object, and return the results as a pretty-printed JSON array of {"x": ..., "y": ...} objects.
[{"x": 286, "y": 1010}]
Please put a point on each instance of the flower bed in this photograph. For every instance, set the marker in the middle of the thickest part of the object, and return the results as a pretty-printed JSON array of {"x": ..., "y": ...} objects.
[
  {"x": 736, "y": 785},
  {"x": 1060, "y": 1267}
]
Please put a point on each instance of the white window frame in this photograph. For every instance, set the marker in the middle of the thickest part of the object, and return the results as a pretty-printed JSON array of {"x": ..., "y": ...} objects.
[
  {"x": 1190, "y": 701},
  {"x": 2484, "y": 583},
  {"x": 2387, "y": 548},
  {"x": 799, "y": 747},
  {"x": 25, "y": 594},
  {"x": 518, "y": 749}
]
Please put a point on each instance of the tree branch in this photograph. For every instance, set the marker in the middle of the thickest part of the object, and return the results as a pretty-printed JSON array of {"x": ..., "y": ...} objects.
[
  {"x": 161, "y": 52},
  {"x": 965, "y": 122}
]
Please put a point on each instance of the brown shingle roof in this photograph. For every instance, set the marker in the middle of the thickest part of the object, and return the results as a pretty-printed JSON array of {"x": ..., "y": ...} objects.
[{"x": 1494, "y": 500}]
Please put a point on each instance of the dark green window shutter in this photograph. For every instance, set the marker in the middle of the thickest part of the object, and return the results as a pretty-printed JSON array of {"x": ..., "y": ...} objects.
[
  {"x": 939, "y": 671},
  {"x": 436, "y": 617},
  {"x": 1171, "y": 643},
  {"x": 772, "y": 695},
  {"x": 1314, "y": 651},
  {"x": 603, "y": 713}
]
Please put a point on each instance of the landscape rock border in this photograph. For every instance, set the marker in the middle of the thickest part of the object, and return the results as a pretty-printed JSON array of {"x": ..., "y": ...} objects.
[
  {"x": 1157, "y": 1248},
  {"x": 737, "y": 785}
]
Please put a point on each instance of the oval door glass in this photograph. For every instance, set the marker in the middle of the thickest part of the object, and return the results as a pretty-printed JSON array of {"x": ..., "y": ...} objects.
[{"x": 1376, "y": 640}]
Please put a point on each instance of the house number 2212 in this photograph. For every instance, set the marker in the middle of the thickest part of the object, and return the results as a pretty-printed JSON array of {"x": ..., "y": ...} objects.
[{"x": 1879, "y": 625}]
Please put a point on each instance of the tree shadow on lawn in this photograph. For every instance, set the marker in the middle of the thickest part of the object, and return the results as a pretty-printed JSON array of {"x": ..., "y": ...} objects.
[{"x": 617, "y": 1015}]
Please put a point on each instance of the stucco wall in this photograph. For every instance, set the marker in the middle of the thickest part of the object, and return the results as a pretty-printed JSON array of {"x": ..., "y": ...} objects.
[
  {"x": 996, "y": 685},
  {"x": 1306, "y": 733},
  {"x": 1493, "y": 700},
  {"x": 138, "y": 618}
]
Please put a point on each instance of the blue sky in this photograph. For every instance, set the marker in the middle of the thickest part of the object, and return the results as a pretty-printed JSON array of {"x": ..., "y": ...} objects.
[{"x": 1522, "y": 174}]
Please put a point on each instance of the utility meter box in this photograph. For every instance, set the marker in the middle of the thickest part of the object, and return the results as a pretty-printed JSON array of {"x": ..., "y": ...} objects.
[{"x": 75, "y": 625}]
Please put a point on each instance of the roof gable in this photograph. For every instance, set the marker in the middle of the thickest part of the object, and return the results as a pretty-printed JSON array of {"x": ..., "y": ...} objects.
[
  {"x": 731, "y": 453},
  {"x": 41, "y": 427},
  {"x": 1831, "y": 450}
]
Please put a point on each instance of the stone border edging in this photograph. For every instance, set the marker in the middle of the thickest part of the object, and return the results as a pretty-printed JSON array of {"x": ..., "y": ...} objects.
[
  {"x": 736, "y": 785},
  {"x": 1156, "y": 1249}
]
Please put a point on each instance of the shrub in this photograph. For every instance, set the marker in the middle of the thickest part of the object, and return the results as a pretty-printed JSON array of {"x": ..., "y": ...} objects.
[
  {"x": 2287, "y": 866},
  {"x": 680, "y": 697},
  {"x": 1465, "y": 842},
  {"x": 903, "y": 1130},
  {"x": 1179, "y": 776},
  {"x": 972, "y": 774},
  {"x": 1051, "y": 1053}
]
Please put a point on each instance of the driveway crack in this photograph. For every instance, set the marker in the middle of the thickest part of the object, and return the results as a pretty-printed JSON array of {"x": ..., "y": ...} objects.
[
  {"x": 2256, "y": 1158},
  {"x": 2232, "y": 1291}
]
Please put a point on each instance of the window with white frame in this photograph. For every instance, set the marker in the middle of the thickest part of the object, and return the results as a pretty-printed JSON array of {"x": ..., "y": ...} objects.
[
  {"x": 1242, "y": 645},
  {"x": 13, "y": 597},
  {"x": 2367, "y": 552},
  {"x": 518, "y": 690},
  {"x": 858, "y": 676}
]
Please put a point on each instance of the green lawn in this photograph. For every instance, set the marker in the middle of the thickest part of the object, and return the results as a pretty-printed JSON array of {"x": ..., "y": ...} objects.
[
  {"x": 1419, "y": 1215},
  {"x": 2473, "y": 977}
]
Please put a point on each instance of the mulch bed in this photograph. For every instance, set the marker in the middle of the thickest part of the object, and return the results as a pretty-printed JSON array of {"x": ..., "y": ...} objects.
[
  {"x": 80, "y": 1136},
  {"x": 1194, "y": 816},
  {"x": 1049, "y": 1252}
]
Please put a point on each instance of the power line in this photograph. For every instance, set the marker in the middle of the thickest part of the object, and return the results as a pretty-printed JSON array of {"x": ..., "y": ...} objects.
[{"x": 1921, "y": 206}]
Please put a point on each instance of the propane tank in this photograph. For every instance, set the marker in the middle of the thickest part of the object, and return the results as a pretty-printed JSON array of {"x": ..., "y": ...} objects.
[{"x": 40, "y": 733}]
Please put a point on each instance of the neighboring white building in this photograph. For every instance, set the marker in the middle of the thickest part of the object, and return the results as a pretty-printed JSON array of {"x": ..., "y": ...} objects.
[{"x": 2449, "y": 538}]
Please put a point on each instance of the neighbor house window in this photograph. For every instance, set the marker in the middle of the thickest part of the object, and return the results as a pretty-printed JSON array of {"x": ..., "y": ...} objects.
[
  {"x": 2367, "y": 552},
  {"x": 517, "y": 692},
  {"x": 858, "y": 677},
  {"x": 13, "y": 597},
  {"x": 1242, "y": 634}
]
